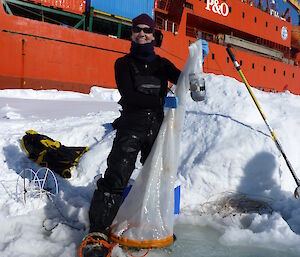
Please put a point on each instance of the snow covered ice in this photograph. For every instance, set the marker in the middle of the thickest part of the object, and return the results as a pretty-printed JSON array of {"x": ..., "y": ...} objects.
[{"x": 226, "y": 151}]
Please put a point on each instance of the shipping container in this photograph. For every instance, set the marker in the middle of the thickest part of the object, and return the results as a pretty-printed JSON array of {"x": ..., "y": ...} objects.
[
  {"x": 124, "y": 8},
  {"x": 72, "y": 6}
]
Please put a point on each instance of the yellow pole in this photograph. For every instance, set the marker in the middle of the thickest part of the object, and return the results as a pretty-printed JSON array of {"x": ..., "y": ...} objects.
[{"x": 238, "y": 68}]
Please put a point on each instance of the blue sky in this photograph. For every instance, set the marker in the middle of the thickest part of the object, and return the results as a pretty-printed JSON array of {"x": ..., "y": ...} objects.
[{"x": 282, "y": 8}]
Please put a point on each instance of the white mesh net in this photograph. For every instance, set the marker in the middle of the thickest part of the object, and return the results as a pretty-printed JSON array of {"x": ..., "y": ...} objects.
[{"x": 146, "y": 217}]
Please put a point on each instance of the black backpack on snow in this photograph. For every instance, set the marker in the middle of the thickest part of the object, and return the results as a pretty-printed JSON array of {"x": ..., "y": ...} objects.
[{"x": 50, "y": 153}]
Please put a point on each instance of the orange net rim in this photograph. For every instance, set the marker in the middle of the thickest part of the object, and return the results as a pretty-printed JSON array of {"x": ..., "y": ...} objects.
[{"x": 157, "y": 243}]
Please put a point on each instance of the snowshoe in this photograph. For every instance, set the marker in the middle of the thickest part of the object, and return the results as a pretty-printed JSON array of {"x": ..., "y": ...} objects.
[{"x": 95, "y": 245}]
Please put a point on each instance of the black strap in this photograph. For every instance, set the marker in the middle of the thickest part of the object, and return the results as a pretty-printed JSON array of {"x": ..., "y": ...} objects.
[{"x": 134, "y": 67}]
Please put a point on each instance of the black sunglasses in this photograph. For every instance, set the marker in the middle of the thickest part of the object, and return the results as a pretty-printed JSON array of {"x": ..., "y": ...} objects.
[{"x": 139, "y": 29}]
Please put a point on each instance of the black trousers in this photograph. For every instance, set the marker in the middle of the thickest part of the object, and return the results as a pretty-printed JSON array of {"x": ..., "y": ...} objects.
[{"x": 136, "y": 131}]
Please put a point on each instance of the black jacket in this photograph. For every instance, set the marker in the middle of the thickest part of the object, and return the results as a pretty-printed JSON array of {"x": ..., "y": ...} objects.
[{"x": 125, "y": 73}]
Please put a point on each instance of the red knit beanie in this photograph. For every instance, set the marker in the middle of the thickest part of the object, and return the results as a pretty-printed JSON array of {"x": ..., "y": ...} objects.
[{"x": 143, "y": 19}]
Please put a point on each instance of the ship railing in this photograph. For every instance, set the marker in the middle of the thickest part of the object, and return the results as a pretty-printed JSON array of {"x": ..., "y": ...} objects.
[
  {"x": 271, "y": 10},
  {"x": 193, "y": 32},
  {"x": 164, "y": 24},
  {"x": 262, "y": 46}
]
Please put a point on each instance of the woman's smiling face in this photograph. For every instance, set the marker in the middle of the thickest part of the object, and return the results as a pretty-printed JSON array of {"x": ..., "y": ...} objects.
[{"x": 142, "y": 34}]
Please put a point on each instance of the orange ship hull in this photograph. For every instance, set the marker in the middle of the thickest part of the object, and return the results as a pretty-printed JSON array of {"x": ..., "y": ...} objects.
[{"x": 38, "y": 55}]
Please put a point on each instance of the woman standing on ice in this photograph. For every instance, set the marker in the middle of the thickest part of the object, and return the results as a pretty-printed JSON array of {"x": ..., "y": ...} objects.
[{"x": 142, "y": 80}]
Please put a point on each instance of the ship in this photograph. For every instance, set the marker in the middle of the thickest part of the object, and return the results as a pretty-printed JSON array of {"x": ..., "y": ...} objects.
[{"x": 72, "y": 45}]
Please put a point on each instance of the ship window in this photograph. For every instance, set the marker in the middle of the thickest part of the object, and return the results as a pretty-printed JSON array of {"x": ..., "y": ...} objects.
[
  {"x": 255, "y": 19},
  {"x": 189, "y": 5},
  {"x": 241, "y": 62},
  {"x": 284, "y": 73},
  {"x": 293, "y": 75},
  {"x": 252, "y": 65},
  {"x": 227, "y": 59},
  {"x": 229, "y": 9},
  {"x": 276, "y": 28},
  {"x": 243, "y": 15},
  {"x": 274, "y": 71},
  {"x": 213, "y": 56},
  {"x": 266, "y": 24},
  {"x": 264, "y": 68}
]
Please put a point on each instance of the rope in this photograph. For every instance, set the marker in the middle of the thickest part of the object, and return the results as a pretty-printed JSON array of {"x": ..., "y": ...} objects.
[
  {"x": 130, "y": 254},
  {"x": 62, "y": 215},
  {"x": 90, "y": 239},
  {"x": 169, "y": 88}
]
